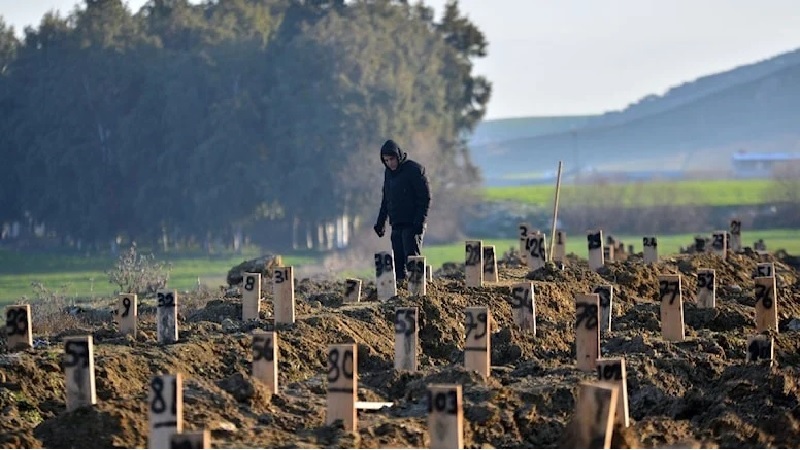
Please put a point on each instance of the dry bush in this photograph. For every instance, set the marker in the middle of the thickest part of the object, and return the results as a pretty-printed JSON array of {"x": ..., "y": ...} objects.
[
  {"x": 139, "y": 274},
  {"x": 50, "y": 310}
]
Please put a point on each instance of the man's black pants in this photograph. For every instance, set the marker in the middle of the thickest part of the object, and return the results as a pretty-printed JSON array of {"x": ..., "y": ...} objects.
[{"x": 404, "y": 244}]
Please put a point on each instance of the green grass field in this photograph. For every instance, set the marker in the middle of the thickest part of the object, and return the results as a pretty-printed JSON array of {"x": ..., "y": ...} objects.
[{"x": 651, "y": 193}]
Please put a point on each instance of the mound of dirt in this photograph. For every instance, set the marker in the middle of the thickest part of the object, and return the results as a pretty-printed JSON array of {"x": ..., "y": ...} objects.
[{"x": 698, "y": 392}]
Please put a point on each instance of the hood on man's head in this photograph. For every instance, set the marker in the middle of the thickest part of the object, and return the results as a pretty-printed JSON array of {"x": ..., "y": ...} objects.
[{"x": 390, "y": 147}]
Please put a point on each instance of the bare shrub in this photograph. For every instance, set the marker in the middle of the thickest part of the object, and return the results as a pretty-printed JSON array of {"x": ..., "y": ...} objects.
[
  {"x": 139, "y": 274},
  {"x": 50, "y": 310}
]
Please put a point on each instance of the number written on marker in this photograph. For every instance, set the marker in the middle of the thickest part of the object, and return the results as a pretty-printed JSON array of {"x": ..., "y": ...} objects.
[
  {"x": 477, "y": 322},
  {"x": 586, "y": 311},
  {"x": 383, "y": 264},
  {"x": 594, "y": 240},
  {"x": 650, "y": 242},
  {"x": 404, "y": 322},
  {"x": 166, "y": 300},
  {"x": 281, "y": 276},
  {"x": 334, "y": 371},
  {"x": 263, "y": 348},
  {"x": 416, "y": 271},
  {"x": 764, "y": 295},
  {"x": 537, "y": 247},
  {"x": 523, "y": 232},
  {"x": 609, "y": 372},
  {"x": 159, "y": 404},
  {"x": 350, "y": 287},
  {"x": 443, "y": 402},
  {"x": 668, "y": 288},
  {"x": 473, "y": 255},
  {"x": 736, "y": 226},
  {"x": 76, "y": 354},
  {"x": 519, "y": 298},
  {"x": 249, "y": 283},
  {"x": 16, "y": 321},
  {"x": 126, "y": 303},
  {"x": 705, "y": 280},
  {"x": 560, "y": 237},
  {"x": 718, "y": 242},
  {"x": 604, "y": 292},
  {"x": 488, "y": 260}
]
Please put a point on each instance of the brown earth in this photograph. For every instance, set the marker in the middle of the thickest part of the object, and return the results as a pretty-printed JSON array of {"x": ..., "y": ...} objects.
[{"x": 696, "y": 392}]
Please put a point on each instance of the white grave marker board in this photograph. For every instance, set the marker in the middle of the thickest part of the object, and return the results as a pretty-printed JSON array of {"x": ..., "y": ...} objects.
[
  {"x": 761, "y": 348},
  {"x": 766, "y": 304},
  {"x": 537, "y": 250},
  {"x": 473, "y": 264},
  {"x": 265, "y": 358},
  {"x": 128, "y": 314},
  {"x": 594, "y": 240},
  {"x": 417, "y": 283},
  {"x": 342, "y": 385},
  {"x": 608, "y": 254},
  {"x": 385, "y": 277},
  {"x": 606, "y": 294},
  {"x": 650, "y": 249},
  {"x": 560, "y": 249},
  {"x": 719, "y": 243},
  {"x": 489, "y": 264},
  {"x": 251, "y": 295},
  {"x": 18, "y": 327},
  {"x": 477, "y": 349},
  {"x": 283, "y": 292},
  {"x": 595, "y": 410},
  {"x": 352, "y": 290},
  {"x": 406, "y": 338},
  {"x": 735, "y": 243},
  {"x": 165, "y": 407},
  {"x": 706, "y": 288},
  {"x": 79, "y": 372},
  {"x": 523, "y": 306},
  {"x": 167, "y": 316},
  {"x": 587, "y": 332},
  {"x": 445, "y": 416},
  {"x": 612, "y": 370},
  {"x": 669, "y": 295}
]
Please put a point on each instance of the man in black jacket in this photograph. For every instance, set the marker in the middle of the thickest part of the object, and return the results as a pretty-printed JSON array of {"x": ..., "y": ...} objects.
[{"x": 405, "y": 200}]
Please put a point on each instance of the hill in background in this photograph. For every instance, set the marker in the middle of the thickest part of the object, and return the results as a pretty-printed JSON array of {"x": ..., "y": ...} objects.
[{"x": 693, "y": 129}]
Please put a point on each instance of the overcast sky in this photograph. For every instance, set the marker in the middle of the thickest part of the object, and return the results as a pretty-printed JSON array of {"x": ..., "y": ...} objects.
[{"x": 560, "y": 57}]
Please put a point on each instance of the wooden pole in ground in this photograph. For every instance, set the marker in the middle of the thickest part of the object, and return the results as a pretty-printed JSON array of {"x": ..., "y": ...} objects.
[{"x": 555, "y": 213}]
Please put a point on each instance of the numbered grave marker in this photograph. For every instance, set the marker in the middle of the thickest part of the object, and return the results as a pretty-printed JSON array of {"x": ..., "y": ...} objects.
[
  {"x": 761, "y": 349},
  {"x": 342, "y": 375},
  {"x": 18, "y": 327},
  {"x": 406, "y": 338},
  {"x": 473, "y": 264},
  {"x": 79, "y": 372},
  {"x": 595, "y": 243},
  {"x": 417, "y": 283},
  {"x": 596, "y": 409},
  {"x": 385, "y": 277},
  {"x": 537, "y": 250},
  {"x": 477, "y": 349},
  {"x": 283, "y": 291},
  {"x": 608, "y": 254},
  {"x": 700, "y": 244},
  {"x": 165, "y": 406},
  {"x": 251, "y": 295},
  {"x": 523, "y": 306},
  {"x": 766, "y": 304},
  {"x": 524, "y": 229},
  {"x": 191, "y": 439},
  {"x": 719, "y": 243},
  {"x": 489, "y": 264},
  {"x": 265, "y": 358},
  {"x": 606, "y": 294},
  {"x": 612, "y": 370},
  {"x": 587, "y": 331},
  {"x": 128, "y": 314},
  {"x": 669, "y": 295},
  {"x": 736, "y": 235},
  {"x": 766, "y": 269},
  {"x": 167, "y": 316},
  {"x": 706, "y": 288},
  {"x": 650, "y": 249},
  {"x": 352, "y": 290},
  {"x": 445, "y": 416},
  {"x": 560, "y": 249}
]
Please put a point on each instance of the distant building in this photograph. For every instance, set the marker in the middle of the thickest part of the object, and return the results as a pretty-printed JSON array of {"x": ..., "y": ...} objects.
[{"x": 760, "y": 165}]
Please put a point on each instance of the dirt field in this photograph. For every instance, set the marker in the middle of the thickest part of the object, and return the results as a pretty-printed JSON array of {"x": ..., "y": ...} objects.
[{"x": 696, "y": 392}]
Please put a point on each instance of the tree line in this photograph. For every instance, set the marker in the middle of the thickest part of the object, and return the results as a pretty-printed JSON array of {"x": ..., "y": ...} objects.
[{"x": 188, "y": 122}]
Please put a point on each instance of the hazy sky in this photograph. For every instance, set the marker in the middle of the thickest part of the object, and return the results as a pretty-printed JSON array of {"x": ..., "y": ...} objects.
[{"x": 557, "y": 57}]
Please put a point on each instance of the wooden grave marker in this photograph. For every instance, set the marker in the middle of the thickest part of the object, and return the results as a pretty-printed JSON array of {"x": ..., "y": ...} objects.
[
  {"x": 18, "y": 327},
  {"x": 473, "y": 264},
  {"x": 594, "y": 239},
  {"x": 735, "y": 242},
  {"x": 595, "y": 412},
  {"x": 283, "y": 293},
  {"x": 417, "y": 283},
  {"x": 191, "y": 439},
  {"x": 342, "y": 385},
  {"x": 650, "y": 249},
  {"x": 612, "y": 370},
  {"x": 445, "y": 416},
  {"x": 523, "y": 306},
  {"x": 761, "y": 349},
  {"x": 128, "y": 313},
  {"x": 165, "y": 409},
  {"x": 79, "y": 372},
  {"x": 167, "y": 316},
  {"x": 524, "y": 229},
  {"x": 251, "y": 295},
  {"x": 587, "y": 331},
  {"x": 700, "y": 244},
  {"x": 608, "y": 254},
  {"x": 719, "y": 243},
  {"x": 489, "y": 264},
  {"x": 537, "y": 250},
  {"x": 560, "y": 249},
  {"x": 429, "y": 272},
  {"x": 352, "y": 290},
  {"x": 385, "y": 277},
  {"x": 766, "y": 304},
  {"x": 406, "y": 338},
  {"x": 265, "y": 358},
  {"x": 706, "y": 288},
  {"x": 669, "y": 295},
  {"x": 765, "y": 269},
  {"x": 606, "y": 294},
  {"x": 477, "y": 351}
]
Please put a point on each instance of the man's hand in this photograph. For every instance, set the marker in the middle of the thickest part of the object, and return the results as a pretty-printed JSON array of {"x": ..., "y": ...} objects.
[
  {"x": 379, "y": 230},
  {"x": 418, "y": 228}
]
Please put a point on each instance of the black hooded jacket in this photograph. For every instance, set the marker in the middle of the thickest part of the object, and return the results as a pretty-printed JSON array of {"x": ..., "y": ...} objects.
[{"x": 406, "y": 194}]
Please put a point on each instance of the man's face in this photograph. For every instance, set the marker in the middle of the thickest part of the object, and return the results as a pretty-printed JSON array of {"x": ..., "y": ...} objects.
[{"x": 390, "y": 161}]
